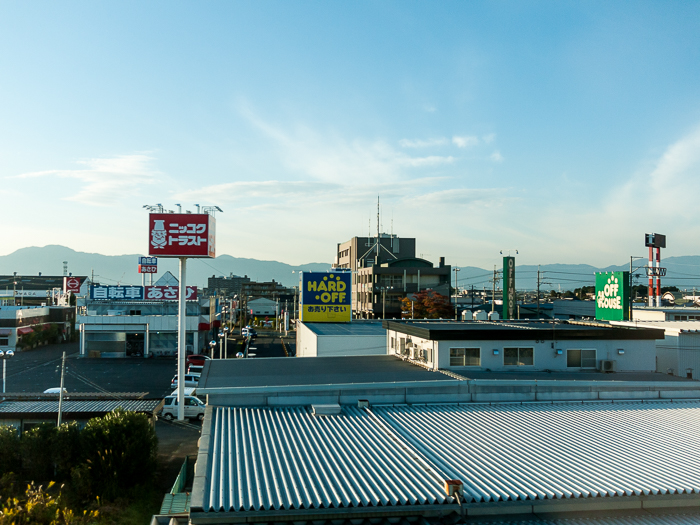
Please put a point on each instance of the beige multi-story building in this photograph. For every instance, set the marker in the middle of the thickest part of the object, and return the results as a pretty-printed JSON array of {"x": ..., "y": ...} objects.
[{"x": 385, "y": 269}]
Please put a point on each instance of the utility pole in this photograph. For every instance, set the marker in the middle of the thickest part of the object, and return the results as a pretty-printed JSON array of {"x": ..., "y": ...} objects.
[
  {"x": 60, "y": 392},
  {"x": 493, "y": 290},
  {"x": 538, "y": 291}
]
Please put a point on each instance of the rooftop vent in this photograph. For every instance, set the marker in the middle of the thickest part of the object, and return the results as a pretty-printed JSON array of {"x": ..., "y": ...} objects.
[
  {"x": 453, "y": 486},
  {"x": 325, "y": 410}
]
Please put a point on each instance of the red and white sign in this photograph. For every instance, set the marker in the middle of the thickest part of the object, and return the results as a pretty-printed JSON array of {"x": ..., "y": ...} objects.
[
  {"x": 169, "y": 293},
  {"x": 181, "y": 235},
  {"x": 146, "y": 268},
  {"x": 71, "y": 284}
]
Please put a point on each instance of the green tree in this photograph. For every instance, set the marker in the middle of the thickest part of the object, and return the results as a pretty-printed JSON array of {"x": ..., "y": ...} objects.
[
  {"x": 9, "y": 450},
  {"x": 40, "y": 507},
  {"x": 120, "y": 450},
  {"x": 35, "y": 446}
]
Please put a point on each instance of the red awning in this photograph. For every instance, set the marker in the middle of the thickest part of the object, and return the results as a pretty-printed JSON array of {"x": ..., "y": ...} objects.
[
  {"x": 25, "y": 330},
  {"x": 204, "y": 327},
  {"x": 216, "y": 324}
]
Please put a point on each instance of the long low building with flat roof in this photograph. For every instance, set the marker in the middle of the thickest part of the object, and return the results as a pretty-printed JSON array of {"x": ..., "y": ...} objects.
[
  {"x": 524, "y": 345},
  {"x": 392, "y": 379}
]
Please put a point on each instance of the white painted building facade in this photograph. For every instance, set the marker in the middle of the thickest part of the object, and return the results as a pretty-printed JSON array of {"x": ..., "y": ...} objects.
[{"x": 523, "y": 346}]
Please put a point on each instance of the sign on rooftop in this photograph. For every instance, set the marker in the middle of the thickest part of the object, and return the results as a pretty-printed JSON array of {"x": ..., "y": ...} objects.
[
  {"x": 612, "y": 296},
  {"x": 325, "y": 297}
]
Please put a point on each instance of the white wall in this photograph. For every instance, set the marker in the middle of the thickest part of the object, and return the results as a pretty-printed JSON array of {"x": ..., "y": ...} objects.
[
  {"x": 310, "y": 344},
  {"x": 306, "y": 341}
]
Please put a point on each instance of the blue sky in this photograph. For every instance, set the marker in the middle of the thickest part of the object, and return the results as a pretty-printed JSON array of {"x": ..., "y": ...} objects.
[{"x": 563, "y": 129}]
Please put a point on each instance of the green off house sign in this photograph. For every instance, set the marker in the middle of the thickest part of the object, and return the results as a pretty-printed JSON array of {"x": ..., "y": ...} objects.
[{"x": 612, "y": 296}]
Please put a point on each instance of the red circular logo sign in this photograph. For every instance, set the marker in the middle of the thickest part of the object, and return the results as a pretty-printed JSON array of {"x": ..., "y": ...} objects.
[{"x": 73, "y": 284}]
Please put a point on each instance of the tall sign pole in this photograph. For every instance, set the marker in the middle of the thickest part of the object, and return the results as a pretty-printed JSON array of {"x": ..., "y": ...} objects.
[
  {"x": 182, "y": 235},
  {"x": 181, "y": 340}
]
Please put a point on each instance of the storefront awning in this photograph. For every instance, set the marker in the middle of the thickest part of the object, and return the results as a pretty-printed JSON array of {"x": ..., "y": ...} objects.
[
  {"x": 203, "y": 327},
  {"x": 25, "y": 330}
]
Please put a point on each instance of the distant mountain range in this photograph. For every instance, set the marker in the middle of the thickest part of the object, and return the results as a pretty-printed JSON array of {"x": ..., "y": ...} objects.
[{"x": 683, "y": 271}]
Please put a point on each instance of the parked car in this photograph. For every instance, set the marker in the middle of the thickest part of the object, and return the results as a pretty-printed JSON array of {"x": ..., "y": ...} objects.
[
  {"x": 190, "y": 380},
  {"x": 248, "y": 331},
  {"x": 194, "y": 407},
  {"x": 55, "y": 390},
  {"x": 197, "y": 359},
  {"x": 195, "y": 369}
]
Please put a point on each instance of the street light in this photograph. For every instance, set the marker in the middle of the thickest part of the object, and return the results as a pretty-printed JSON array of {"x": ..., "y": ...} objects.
[
  {"x": 212, "y": 345},
  {"x": 5, "y": 356},
  {"x": 221, "y": 342},
  {"x": 455, "y": 270}
]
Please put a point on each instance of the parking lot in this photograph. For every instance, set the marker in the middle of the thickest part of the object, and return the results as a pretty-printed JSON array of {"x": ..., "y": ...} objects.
[{"x": 38, "y": 369}]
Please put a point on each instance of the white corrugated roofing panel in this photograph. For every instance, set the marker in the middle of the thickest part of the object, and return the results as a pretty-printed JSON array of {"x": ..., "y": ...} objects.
[
  {"x": 532, "y": 452},
  {"x": 286, "y": 458},
  {"x": 103, "y": 405},
  {"x": 666, "y": 519}
]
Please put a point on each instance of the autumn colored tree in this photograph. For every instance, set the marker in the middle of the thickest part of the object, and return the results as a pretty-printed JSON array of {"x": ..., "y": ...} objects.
[{"x": 427, "y": 304}]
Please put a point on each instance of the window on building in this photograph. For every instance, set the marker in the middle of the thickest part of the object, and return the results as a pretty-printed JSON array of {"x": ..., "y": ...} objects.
[
  {"x": 581, "y": 359},
  {"x": 518, "y": 356},
  {"x": 4, "y": 341},
  {"x": 392, "y": 343},
  {"x": 402, "y": 345},
  {"x": 465, "y": 357}
]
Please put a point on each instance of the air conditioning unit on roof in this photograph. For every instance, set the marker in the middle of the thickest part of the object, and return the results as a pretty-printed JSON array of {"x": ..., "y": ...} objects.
[{"x": 608, "y": 365}]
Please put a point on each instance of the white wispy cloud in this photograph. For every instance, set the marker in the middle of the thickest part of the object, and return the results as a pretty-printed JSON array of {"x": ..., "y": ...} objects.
[
  {"x": 488, "y": 139},
  {"x": 423, "y": 143},
  {"x": 496, "y": 156},
  {"x": 331, "y": 158},
  {"x": 105, "y": 181},
  {"x": 465, "y": 141}
]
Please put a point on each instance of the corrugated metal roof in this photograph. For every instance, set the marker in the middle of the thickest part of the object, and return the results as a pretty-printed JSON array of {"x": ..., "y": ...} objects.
[
  {"x": 286, "y": 458},
  {"x": 667, "y": 519},
  {"x": 38, "y": 407},
  {"x": 535, "y": 452}
]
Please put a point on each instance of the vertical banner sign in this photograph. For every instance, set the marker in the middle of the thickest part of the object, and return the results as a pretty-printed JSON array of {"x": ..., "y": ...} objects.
[
  {"x": 509, "y": 299},
  {"x": 325, "y": 297},
  {"x": 181, "y": 235},
  {"x": 612, "y": 296},
  {"x": 148, "y": 264}
]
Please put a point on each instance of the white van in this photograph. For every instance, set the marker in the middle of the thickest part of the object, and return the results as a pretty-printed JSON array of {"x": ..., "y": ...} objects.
[
  {"x": 191, "y": 380},
  {"x": 194, "y": 408}
]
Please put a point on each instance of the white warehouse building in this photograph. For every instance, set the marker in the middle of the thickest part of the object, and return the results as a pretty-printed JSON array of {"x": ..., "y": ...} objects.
[{"x": 522, "y": 345}]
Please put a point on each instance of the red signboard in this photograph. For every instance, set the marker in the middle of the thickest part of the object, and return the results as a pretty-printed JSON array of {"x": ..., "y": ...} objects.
[
  {"x": 71, "y": 284},
  {"x": 168, "y": 293},
  {"x": 181, "y": 235},
  {"x": 147, "y": 268}
]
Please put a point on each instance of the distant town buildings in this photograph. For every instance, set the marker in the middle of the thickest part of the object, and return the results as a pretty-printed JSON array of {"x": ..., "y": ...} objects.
[{"x": 385, "y": 269}]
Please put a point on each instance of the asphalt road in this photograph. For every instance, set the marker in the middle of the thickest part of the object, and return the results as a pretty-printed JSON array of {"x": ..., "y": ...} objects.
[{"x": 38, "y": 369}]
